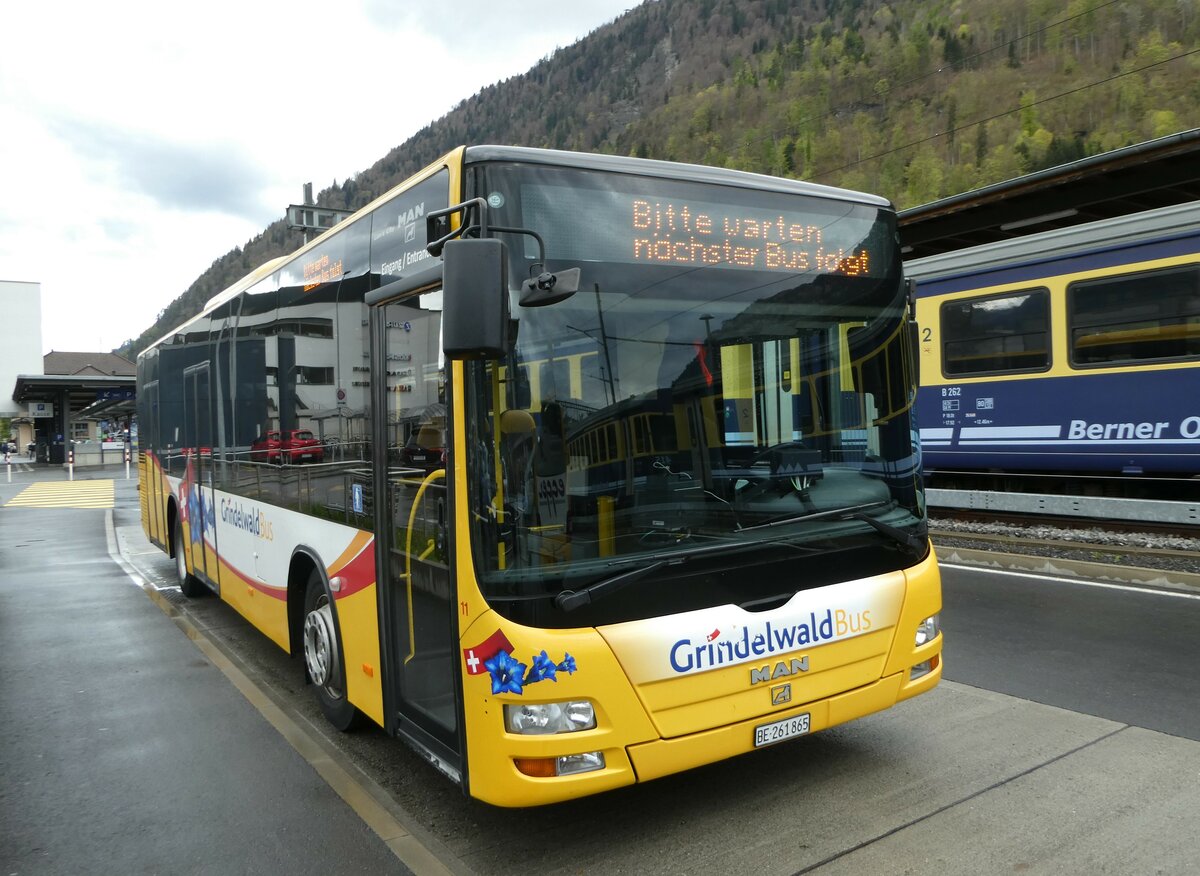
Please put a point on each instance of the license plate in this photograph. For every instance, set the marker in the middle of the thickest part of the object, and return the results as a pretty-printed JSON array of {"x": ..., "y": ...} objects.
[{"x": 777, "y": 731}]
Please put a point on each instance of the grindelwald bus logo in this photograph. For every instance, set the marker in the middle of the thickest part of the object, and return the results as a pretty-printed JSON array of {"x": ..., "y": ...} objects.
[
  {"x": 252, "y": 521},
  {"x": 763, "y": 640}
]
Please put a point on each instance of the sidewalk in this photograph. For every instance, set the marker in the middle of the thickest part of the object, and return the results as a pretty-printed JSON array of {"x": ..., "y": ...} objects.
[{"x": 126, "y": 750}]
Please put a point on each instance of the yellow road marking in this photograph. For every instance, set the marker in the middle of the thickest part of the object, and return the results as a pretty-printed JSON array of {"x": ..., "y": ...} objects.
[{"x": 64, "y": 494}]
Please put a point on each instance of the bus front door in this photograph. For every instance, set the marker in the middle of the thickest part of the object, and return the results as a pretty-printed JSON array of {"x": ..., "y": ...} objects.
[
  {"x": 411, "y": 525},
  {"x": 198, "y": 478}
]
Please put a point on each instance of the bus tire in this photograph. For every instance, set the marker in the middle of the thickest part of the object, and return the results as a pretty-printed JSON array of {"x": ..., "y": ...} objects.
[
  {"x": 324, "y": 667},
  {"x": 189, "y": 584}
]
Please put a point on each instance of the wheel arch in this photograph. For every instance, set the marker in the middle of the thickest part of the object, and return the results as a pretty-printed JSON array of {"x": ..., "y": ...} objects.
[
  {"x": 172, "y": 522},
  {"x": 305, "y": 567},
  {"x": 303, "y": 563}
]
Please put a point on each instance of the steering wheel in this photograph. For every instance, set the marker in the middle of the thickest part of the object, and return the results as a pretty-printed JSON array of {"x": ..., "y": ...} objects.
[{"x": 761, "y": 482}]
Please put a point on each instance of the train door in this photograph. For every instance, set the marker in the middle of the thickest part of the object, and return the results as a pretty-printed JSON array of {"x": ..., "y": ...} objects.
[
  {"x": 198, "y": 477},
  {"x": 418, "y": 602}
]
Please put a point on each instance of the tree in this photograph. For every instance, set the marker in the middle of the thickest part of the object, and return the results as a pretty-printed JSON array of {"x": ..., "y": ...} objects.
[
  {"x": 923, "y": 181},
  {"x": 845, "y": 80}
]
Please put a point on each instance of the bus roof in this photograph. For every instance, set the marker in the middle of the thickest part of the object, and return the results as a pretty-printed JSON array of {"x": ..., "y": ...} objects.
[
  {"x": 224, "y": 295},
  {"x": 667, "y": 170},
  {"x": 267, "y": 267},
  {"x": 558, "y": 158}
]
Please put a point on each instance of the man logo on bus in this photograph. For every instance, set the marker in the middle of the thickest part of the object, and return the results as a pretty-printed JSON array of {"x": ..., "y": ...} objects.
[{"x": 782, "y": 668}]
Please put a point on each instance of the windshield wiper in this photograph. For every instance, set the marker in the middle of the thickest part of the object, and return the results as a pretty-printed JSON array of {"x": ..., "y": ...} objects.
[
  {"x": 835, "y": 513},
  {"x": 902, "y": 537},
  {"x": 569, "y": 600},
  {"x": 905, "y": 538}
]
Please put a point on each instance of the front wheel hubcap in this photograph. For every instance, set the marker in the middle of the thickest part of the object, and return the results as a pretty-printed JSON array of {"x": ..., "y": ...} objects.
[{"x": 320, "y": 655}]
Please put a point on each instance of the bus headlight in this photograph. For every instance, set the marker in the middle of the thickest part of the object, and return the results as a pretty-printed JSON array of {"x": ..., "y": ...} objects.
[
  {"x": 542, "y": 718},
  {"x": 927, "y": 630},
  {"x": 566, "y": 765},
  {"x": 580, "y": 763}
]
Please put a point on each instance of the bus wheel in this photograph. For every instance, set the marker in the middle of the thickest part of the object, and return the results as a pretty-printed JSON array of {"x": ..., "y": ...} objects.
[
  {"x": 188, "y": 583},
  {"x": 323, "y": 657}
]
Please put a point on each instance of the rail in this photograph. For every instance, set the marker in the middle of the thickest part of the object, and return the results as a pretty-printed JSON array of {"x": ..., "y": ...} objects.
[{"x": 1142, "y": 510}]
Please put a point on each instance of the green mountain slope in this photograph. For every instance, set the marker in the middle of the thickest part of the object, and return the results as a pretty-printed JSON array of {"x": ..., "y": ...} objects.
[{"x": 911, "y": 99}]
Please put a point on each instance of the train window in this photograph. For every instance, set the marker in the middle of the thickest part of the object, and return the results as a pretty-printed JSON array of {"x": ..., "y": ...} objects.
[
  {"x": 1135, "y": 318},
  {"x": 997, "y": 334}
]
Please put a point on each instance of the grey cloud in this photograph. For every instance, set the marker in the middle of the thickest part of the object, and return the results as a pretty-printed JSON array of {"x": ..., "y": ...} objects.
[{"x": 180, "y": 176}]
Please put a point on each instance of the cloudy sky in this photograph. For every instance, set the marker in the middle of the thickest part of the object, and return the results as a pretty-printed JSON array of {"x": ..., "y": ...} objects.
[{"x": 140, "y": 141}]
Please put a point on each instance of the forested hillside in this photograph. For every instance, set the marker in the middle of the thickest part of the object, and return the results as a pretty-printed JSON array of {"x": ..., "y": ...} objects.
[{"x": 911, "y": 99}]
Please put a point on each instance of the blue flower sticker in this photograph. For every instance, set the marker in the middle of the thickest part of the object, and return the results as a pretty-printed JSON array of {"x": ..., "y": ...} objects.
[
  {"x": 509, "y": 674},
  {"x": 196, "y": 514},
  {"x": 506, "y": 673},
  {"x": 543, "y": 668}
]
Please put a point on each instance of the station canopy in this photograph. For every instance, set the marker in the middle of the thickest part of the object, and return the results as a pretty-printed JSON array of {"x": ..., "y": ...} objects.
[
  {"x": 1158, "y": 173},
  {"x": 94, "y": 385}
]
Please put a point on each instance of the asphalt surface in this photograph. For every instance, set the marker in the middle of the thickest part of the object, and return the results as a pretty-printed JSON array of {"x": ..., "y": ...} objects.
[
  {"x": 1062, "y": 742},
  {"x": 126, "y": 750},
  {"x": 1129, "y": 655}
]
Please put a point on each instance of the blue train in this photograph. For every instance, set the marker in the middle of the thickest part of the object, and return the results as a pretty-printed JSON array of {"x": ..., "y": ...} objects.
[{"x": 1074, "y": 350}]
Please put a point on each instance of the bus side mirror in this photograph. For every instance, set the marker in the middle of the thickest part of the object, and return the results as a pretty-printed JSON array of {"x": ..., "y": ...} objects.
[
  {"x": 475, "y": 317},
  {"x": 912, "y": 329}
]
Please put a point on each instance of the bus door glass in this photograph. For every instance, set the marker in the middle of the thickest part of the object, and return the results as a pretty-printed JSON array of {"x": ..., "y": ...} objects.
[
  {"x": 197, "y": 482},
  {"x": 155, "y": 514},
  {"x": 413, "y": 522}
]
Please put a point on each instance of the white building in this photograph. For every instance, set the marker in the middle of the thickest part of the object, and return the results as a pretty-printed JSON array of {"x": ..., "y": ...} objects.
[{"x": 21, "y": 347}]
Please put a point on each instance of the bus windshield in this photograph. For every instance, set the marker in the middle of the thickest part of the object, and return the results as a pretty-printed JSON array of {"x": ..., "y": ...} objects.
[{"x": 721, "y": 407}]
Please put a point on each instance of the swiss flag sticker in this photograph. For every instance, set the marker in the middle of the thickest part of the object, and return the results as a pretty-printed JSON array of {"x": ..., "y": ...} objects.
[{"x": 485, "y": 650}]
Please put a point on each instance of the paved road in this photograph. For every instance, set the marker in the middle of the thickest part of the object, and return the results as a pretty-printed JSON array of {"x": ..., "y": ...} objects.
[
  {"x": 1129, "y": 655},
  {"x": 125, "y": 749},
  {"x": 963, "y": 780}
]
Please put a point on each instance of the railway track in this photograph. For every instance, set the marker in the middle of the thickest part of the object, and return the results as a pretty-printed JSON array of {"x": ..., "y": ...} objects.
[
  {"x": 1118, "y": 543},
  {"x": 957, "y": 517},
  {"x": 1162, "y": 488}
]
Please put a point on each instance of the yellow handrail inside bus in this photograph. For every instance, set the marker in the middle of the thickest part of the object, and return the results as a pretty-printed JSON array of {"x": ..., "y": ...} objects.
[
  {"x": 498, "y": 500},
  {"x": 412, "y": 516}
]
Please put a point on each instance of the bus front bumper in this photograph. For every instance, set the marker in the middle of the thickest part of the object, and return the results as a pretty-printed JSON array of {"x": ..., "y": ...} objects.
[{"x": 662, "y": 757}]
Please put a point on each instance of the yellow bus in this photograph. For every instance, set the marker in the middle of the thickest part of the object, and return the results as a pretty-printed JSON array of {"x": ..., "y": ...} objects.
[{"x": 571, "y": 471}]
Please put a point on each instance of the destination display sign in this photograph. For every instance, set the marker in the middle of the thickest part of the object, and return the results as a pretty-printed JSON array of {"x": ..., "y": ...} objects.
[
  {"x": 684, "y": 233},
  {"x": 321, "y": 269},
  {"x": 687, "y": 226}
]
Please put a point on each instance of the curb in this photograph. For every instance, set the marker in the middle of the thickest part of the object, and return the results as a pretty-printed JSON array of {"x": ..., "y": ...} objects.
[
  {"x": 1161, "y": 578},
  {"x": 421, "y": 854}
]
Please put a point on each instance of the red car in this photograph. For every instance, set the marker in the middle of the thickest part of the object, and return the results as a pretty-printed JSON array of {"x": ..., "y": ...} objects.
[{"x": 291, "y": 446}]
